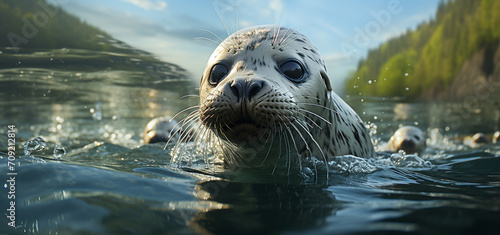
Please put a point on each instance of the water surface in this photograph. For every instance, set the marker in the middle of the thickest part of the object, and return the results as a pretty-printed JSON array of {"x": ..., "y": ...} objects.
[{"x": 95, "y": 105}]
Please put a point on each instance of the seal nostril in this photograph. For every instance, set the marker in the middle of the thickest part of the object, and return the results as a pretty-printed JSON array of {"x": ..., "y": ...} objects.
[
  {"x": 246, "y": 89},
  {"x": 237, "y": 88},
  {"x": 254, "y": 88}
]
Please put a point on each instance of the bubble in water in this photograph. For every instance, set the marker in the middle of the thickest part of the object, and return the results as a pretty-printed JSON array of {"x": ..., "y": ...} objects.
[
  {"x": 34, "y": 145},
  {"x": 59, "y": 152}
]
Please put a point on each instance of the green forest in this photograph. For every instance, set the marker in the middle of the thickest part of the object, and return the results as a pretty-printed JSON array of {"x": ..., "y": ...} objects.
[
  {"x": 431, "y": 55},
  {"x": 41, "y": 25}
]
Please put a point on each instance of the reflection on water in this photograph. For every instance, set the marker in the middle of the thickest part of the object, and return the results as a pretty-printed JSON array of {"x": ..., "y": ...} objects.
[{"x": 94, "y": 176}]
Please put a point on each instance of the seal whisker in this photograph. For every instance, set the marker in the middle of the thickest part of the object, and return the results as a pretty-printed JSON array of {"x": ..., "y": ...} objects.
[
  {"x": 291, "y": 35},
  {"x": 317, "y": 145},
  {"x": 321, "y": 106},
  {"x": 270, "y": 147},
  {"x": 189, "y": 96},
  {"x": 193, "y": 114},
  {"x": 281, "y": 40},
  {"x": 312, "y": 121},
  {"x": 279, "y": 26},
  {"x": 316, "y": 115},
  {"x": 225, "y": 27},
  {"x": 184, "y": 110},
  {"x": 215, "y": 35},
  {"x": 289, "y": 159},
  {"x": 224, "y": 24},
  {"x": 286, "y": 145},
  {"x": 210, "y": 40}
]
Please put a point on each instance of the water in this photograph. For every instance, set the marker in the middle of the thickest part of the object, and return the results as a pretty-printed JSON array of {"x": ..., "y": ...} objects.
[{"x": 81, "y": 168}]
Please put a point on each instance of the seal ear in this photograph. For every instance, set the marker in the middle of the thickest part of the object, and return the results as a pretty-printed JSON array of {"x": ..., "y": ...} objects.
[{"x": 326, "y": 80}]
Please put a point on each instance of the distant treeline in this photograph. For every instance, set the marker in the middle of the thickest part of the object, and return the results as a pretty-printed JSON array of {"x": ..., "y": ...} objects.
[
  {"x": 432, "y": 55},
  {"x": 41, "y": 25}
]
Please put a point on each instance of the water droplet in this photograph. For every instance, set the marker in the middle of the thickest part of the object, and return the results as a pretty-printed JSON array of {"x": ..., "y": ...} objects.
[
  {"x": 375, "y": 117},
  {"x": 59, "y": 152},
  {"x": 5, "y": 185},
  {"x": 35, "y": 145},
  {"x": 370, "y": 82},
  {"x": 406, "y": 74},
  {"x": 78, "y": 74},
  {"x": 407, "y": 89},
  {"x": 415, "y": 123},
  {"x": 362, "y": 100}
]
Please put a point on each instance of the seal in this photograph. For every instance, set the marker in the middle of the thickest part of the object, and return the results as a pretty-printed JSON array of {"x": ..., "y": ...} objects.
[
  {"x": 266, "y": 101},
  {"x": 409, "y": 139},
  {"x": 160, "y": 130},
  {"x": 496, "y": 137},
  {"x": 476, "y": 140}
]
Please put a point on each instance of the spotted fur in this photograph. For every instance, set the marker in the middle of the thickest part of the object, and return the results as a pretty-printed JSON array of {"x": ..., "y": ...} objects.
[{"x": 290, "y": 121}]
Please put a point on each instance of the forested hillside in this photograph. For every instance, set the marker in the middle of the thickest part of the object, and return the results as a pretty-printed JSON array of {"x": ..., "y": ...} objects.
[
  {"x": 40, "y": 25},
  {"x": 431, "y": 56}
]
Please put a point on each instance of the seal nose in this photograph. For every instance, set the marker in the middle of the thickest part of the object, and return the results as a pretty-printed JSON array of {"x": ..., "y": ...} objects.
[
  {"x": 407, "y": 143},
  {"x": 246, "y": 89}
]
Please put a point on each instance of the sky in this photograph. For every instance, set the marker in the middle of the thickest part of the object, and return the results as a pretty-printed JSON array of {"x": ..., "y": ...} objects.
[{"x": 177, "y": 30}]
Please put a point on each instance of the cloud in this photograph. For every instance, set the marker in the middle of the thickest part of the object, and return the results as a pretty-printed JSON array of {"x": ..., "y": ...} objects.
[
  {"x": 276, "y": 5},
  {"x": 148, "y": 4}
]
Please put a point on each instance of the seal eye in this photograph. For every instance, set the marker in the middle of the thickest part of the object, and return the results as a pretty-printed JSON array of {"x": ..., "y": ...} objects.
[
  {"x": 293, "y": 71},
  {"x": 218, "y": 72}
]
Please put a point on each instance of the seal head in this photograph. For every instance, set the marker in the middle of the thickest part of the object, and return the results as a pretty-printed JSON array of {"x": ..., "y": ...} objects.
[
  {"x": 409, "y": 139},
  {"x": 265, "y": 96}
]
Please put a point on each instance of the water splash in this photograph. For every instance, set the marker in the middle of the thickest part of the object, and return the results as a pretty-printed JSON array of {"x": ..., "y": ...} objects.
[
  {"x": 59, "y": 152},
  {"x": 350, "y": 164},
  {"x": 402, "y": 160},
  {"x": 34, "y": 145}
]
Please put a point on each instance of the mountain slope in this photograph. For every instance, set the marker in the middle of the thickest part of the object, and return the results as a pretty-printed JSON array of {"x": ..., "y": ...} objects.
[{"x": 431, "y": 57}]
